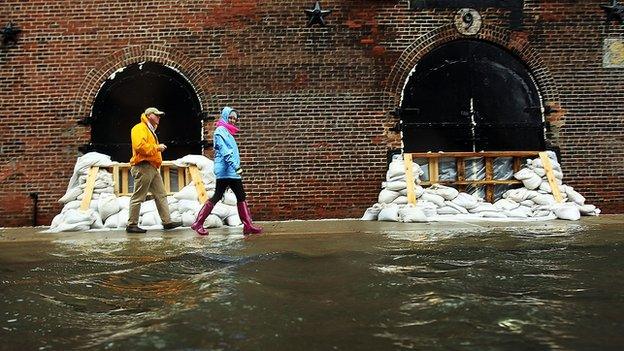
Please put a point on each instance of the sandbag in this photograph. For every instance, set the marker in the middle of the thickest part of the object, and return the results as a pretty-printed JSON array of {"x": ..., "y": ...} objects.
[
  {"x": 466, "y": 201},
  {"x": 567, "y": 211},
  {"x": 447, "y": 210},
  {"x": 371, "y": 213},
  {"x": 575, "y": 196},
  {"x": 412, "y": 214},
  {"x": 519, "y": 212},
  {"x": 188, "y": 205},
  {"x": 446, "y": 192},
  {"x": 213, "y": 222},
  {"x": 229, "y": 198},
  {"x": 484, "y": 206},
  {"x": 108, "y": 206},
  {"x": 588, "y": 210},
  {"x": 71, "y": 205},
  {"x": 456, "y": 206},
  {"x": 71, "y": 195},
  {"x": 187, "y": 219},
  {"x": 436, "y": 199},
  {"x": 389, "y": 213},
  {"x": 387, "y": 196},
  {"x": 233, "y": 221},
  {"x": 544, "y": 199},
  {"x": 506, "y": 205},
  {"x": 492, "y": 214},
  {"x": 148, "y": 206},
  {"x": 124, "y": 202},
  {"x": 189, "y": 192},
  {"x": 149, "y": 219},
  {"x": 401, "y": 200},
  {"x": 396, "y": 185}
]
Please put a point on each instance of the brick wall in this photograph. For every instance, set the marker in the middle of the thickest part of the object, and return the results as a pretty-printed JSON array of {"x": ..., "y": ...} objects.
[{"x": 316, "y": 101}]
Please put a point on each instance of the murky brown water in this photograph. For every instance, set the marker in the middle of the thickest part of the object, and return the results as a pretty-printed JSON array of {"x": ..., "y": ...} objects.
[{"x": 513, "y": 289}]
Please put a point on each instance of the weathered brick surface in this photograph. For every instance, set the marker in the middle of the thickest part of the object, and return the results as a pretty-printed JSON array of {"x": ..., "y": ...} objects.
[{"x": 316, "y": 101}]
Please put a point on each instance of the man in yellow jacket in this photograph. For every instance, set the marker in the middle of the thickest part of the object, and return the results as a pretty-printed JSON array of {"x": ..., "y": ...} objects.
[{"x": 145, "y": 161}]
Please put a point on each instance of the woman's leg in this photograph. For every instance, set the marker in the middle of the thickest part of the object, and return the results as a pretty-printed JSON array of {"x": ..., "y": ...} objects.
[
  {"x": 243, "y": 211},
  {"x": 203, "y": 213}
]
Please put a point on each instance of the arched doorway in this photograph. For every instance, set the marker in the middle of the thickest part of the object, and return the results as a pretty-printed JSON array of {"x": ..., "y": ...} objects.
[
  {"x": 126, "y": 94},
  {"x": 471, "y": 95}
]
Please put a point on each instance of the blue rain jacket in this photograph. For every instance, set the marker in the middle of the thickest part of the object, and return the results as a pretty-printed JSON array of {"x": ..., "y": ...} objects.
[{"x": 227, "y": 158}]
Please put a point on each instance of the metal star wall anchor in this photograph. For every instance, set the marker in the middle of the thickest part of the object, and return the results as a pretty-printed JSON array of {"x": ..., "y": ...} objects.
[
  {"x": 614, "y": 11},
  {"x": 315, "y": 15},
  {"x": 9, "y": 34}
]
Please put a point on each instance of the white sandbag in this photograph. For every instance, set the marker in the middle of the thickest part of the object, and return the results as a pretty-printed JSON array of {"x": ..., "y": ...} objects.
[
  {"x": 171, "y": 200},
  {"x": 107, "y": 206},
  {"x": 506, "y": 205},
  {"x": 519, "y": 195},
  {"x": 447, "y": 210},
  {"x": 436, "y": 199},
  {"x": 448, "y": 193},
  {"x": 112, "y": 221},
  {"x": 124, "y": 215},
  {"x": 466, "y": 201},
  {"x": 57, "y": 220},
  {"x": 492, "y": 214},
  {"x": 189, "y": 192},
  {"x": 71, "y": 195},
  {"x": 188, "y": 205},
  {"x": 524, "y": 173},
  {"x": 519, "y": 212},
  {"x": 396, "y": 168},
  {"x": 484, "y": 206},
  {"x": 98, "y": 223},
  {"x": 233, "y": 221},
  {"x": 567, "y": 211},
  {"x": 428, "y": 208},
  {"x": 528, "y": 203},
  {"x": 389, "y": 213},
  {"x": 412, "y": 214},
  {"x": 533, "y": 182},
  {"x": 539, "y": 171},
  {"x": 543, "y": 213},
  {"x": 149, "y": 219},
  {"x": 537, "y": 163},
  {"x": 588, "y": 210},
  {"x": 124, "y": 202},
  {"x": 148, "y": 206},
  {"x": 221, "y": 210},
  {"x": 418, "y": 191},
  {"x": 396, "y": 185},
  {"x": 575, "y": 196},
  {"x": 71, "y": 205},
  {"x": 229, "y": 198},
  {"x": 106, "y": 190},
  {"x": 78, "y": 216},
  {"x": 213, "y": 222},
  {"x": 401, "y": 200},
  {"x": 456, "y": 206},
  {"x": 187, "y": 219},
  {"x": 544, "y": 199},
  {"x": 371, "y": 213},
  {"x": 545, "y": 186},
  {"x": 175, "y": 216},
  {"x": 387, "y": 196}
]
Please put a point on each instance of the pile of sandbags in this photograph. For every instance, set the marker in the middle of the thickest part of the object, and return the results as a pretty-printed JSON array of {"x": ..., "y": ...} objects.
[
  {"x": 107, "y": 211},
  {"x": 533, "y": 201}
]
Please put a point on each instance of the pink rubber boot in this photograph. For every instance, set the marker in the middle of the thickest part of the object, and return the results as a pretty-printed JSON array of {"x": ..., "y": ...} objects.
[
  {"x": 245, "y": 216},
  {"x": 198, "y": 225}
]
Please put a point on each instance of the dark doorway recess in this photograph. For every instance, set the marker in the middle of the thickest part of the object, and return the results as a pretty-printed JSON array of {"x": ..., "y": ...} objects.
[
  {"x": 123, "y": 98},
  {"x": 470, "y": 95}
]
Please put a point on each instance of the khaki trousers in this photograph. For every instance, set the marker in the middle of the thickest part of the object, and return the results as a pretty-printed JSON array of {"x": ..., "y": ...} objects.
[{"x": 147, "y": 179}]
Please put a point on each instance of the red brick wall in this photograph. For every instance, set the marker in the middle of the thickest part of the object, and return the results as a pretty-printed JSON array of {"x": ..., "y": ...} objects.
[{"x": 316, "y": 101}]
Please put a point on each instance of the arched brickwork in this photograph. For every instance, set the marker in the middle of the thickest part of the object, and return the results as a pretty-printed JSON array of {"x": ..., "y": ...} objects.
[
  {"x": 188, "y": 67},
  {"x": 516, "y": 42}
]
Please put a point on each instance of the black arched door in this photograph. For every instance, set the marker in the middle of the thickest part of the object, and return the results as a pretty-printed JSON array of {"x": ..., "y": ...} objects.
[
  {"x": 123, "y": 98},
  {"x": 470, "y": 95}
]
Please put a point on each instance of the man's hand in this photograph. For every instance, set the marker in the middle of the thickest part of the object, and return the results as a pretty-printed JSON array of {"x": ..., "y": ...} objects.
[
  {"x": 239, "y": 171},
  {"x": 162, "y": 147}
]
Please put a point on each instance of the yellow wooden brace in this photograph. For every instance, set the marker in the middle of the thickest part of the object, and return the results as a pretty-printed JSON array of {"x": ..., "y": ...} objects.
[
  {"x": 88, "y": 192},
  {"x": 199, "y": 183},
  {"x": 409, "y": 178},
  {"x": 551, "y": 176}
]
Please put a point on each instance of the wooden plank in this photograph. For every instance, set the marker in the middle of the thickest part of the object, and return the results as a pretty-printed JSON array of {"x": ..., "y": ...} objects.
[
  {"x": 475, "y": 154},
  {"x": 125, "y": 187},
  {"x": 489, "y": 175},
  {"x": 433, "y": 170},
  {"x": 517, "y": 164},
  {"x": 88, "y": 192},
  {"x": 551, "y": 176},
  {"x": 475, "y": 182},
  {"x": 115, "y": 171},
  {"x": 181, "y": 182},
  {"x": 199, "y": 183},
  {"x": 166, "y": 178},
  {"x": 409, "y": 178},
  {"x": 460, "y": 165}
]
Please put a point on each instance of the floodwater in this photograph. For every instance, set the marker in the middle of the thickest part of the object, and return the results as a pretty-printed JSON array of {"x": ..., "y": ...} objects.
[{"x": 504, "y": 288}]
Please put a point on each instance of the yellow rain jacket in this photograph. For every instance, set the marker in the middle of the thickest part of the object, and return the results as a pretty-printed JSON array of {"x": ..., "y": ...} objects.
[{"x": 144, "y": 144}]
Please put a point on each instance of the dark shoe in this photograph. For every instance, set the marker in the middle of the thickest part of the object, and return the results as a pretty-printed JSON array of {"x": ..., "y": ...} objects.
[
  {"x": 171, "y": 225},
  {"x": 245, "y": 216},
  {"x": 133, "y": 228},
  {"x": 198, "y": 225}
]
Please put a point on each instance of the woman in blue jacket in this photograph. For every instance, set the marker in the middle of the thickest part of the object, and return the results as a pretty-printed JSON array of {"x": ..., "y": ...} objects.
[{"x": 228, "y": 173}]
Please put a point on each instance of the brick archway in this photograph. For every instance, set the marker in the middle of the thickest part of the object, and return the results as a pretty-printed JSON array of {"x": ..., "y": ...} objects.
[
  {"x": 515, "y": 42},
  {"x": 188, "y": 68}
]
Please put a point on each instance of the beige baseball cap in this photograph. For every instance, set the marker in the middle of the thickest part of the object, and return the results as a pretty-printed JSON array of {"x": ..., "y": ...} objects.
[{"x": 153, "y": 110}]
